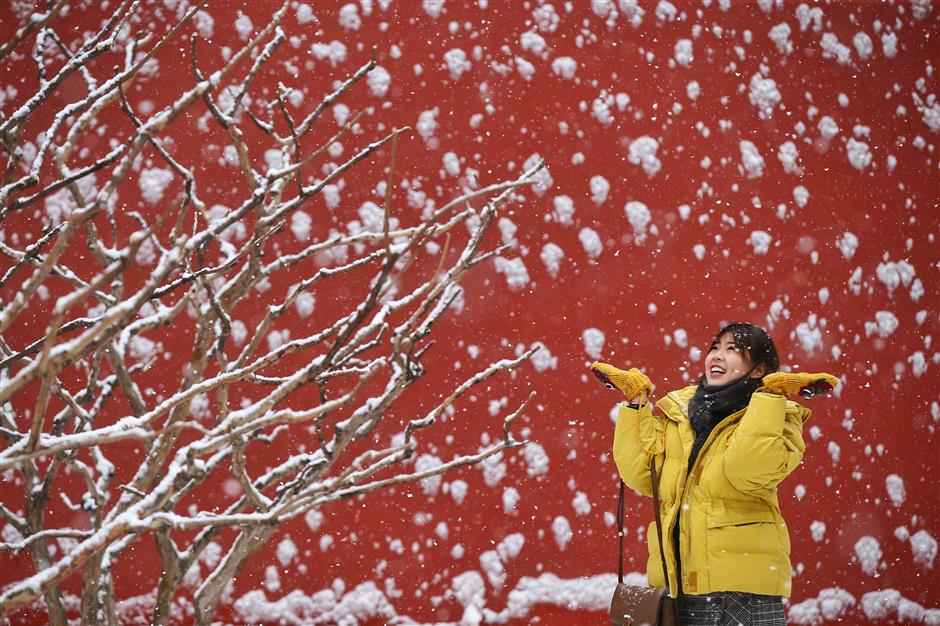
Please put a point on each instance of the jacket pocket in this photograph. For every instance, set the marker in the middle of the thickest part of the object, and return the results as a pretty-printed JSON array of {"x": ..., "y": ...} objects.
[{"x": 733, "y": 516}]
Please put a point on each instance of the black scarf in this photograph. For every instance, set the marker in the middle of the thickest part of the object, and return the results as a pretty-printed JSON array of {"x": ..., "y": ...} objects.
[{"x": 713, "y": 403}]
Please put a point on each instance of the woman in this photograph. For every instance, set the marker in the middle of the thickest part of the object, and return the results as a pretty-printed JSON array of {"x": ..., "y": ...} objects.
[{"x": 721, "y": 447}]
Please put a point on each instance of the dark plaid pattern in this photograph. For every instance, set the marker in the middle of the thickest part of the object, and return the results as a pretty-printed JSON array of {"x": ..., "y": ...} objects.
[{"x": 731, "y": 608}]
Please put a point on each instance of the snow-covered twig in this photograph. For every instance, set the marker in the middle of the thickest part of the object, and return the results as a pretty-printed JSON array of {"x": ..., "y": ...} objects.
[{"x": 78, "y": 371}]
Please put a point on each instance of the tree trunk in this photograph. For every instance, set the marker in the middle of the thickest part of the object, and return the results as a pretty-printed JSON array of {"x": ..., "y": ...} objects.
[{"x": 207, "y": 596}]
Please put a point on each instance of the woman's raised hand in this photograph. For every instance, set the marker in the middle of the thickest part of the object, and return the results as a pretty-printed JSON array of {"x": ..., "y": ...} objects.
[
  {"x": 634, "y": 384},
  {"x": 803, "y": 383}
]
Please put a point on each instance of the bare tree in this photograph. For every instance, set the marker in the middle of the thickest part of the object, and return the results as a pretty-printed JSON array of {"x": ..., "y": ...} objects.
[{"x": 358, "y": 364}]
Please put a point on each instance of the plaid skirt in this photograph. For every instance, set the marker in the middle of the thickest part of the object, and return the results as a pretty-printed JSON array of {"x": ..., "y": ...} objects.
[{"x": 731, "y": 608}]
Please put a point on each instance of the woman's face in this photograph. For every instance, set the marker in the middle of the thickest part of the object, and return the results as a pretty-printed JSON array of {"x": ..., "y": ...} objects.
[{"x": 725, "y": 362}]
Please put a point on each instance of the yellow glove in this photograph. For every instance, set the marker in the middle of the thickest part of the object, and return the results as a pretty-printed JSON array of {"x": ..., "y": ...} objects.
[
  {"x": 632, "y": 382},
  {"x": 805, "y": 384}
]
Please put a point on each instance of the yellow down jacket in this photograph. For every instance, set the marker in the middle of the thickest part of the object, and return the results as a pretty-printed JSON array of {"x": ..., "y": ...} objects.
[{"x": 732, "y": 536}]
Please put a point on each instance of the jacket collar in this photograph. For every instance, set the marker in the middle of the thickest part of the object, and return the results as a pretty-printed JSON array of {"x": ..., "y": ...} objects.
[
  {"x": 676, "y": 406},
  {"x": 676, "y": 403}
]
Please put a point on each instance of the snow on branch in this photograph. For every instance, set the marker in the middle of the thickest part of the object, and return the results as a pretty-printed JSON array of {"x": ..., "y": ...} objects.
[{"x": 75, "y": 376}]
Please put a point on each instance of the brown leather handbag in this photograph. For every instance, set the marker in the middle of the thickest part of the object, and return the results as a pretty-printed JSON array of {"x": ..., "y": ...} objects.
[{"x": 642, "y": 606}]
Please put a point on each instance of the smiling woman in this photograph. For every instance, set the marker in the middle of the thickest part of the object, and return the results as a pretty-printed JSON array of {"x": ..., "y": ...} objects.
[
  {"x": 721, "y": 447},
  {"x": 739, "y": 350}
]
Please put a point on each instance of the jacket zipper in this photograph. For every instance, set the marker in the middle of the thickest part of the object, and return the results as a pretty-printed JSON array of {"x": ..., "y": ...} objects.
[{"x": 690, "y": 473}]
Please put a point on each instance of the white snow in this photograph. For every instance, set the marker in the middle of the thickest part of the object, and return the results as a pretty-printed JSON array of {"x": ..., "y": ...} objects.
[
  {"x": 918, "y": 364},
  {"x": 378, "y": 80},
  {"x": 533, "y": 42},
  {"x": 205, "y": 24},
  {"x": 564, "y": 210},
  {"x": 780, "y": 35},
  {"x": 806, "y": 15},
  {"x": 313, "y": 519},
  {"x": 863, "y": 45},
  {"x": 304, "y": 14},
  {"x": 643, "y": 152},
  {"x": 451, "y": 163},
  {"x": 142, "y": 349},
  {"x": 153, "y": 183},
  {"x": 456, "y": 62},
  {"x": 878, "y": 605},
  {"x": 832, "y": 48},
  {"x": 683, "y": 52},
  {"x": 551, "y": 256},
  {"x": 760, "y": 240},
  {"x": 524, "y": 67},
  {"x": 929, "y": 110},
  {"x": 458, "y": 490},
  {"x": 751, "y": 160},
  {"x": 286, "y": 551},
  {"x": 510, "y": 547},
  {"x": 427, "y": 124},
  {"x": 827, "y": 127},
  {"x": 591, "y": 242},
  {"x": 896, "y": 492},
  {"x": 349, "y": 17},
  {"x": 847, "y": 244},
  {"x": 600, "y": 108},
  {"x": 593, "y": 342},
  {"x": 581, "y": 504},
  {"x": 507, "y": 231},
  {"x": 817, "y": 530},
  {"x": 334, "y": 52},
  {"x": 517, "y": 277},
  {"x": 510, "y": 500},
  {"x": 243, "y": 26},
  {"x": 430, "y": 485},
  {"x": 924, "y": 548},
  {"x": 858, "y": 153},
  {"x": 543, "y": 360},
  {"x": 884, "y": 325},
  {"x": 800, "y": 196},
  {"x": 543, "y": 178},
  {"x": 809, "y": 335},
  {"x": 494, "y": 470},
  {"x": 788, "y": 156},
  {"x": 300, "y": 225},
  {"x": 565, "y": 67},
  {"x": 665, "y": 11},
  {"x": 599, "y": 187},
  {"x": 546, "y": 18},
  {"x": 536, "y": 459},
  {"x": 868, "y": 552},
  {"x": 921, "y": 9},
  {"x": 493, "y": 568},
  {"x": 764, "y": 95},
  {"x": 894, "y": 274},
  {"x": 639, "y": 216},
  {"x": 277, "y": 338},
  {"x": 561, "y": 530},
  {"x": 889, "y": 45},
  {"x": 433, "y": 8},
  {"x": 831, "y": 604}
]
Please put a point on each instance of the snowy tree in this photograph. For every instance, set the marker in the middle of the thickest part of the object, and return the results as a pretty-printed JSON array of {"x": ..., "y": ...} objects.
[{"x": 87, "y": 301}]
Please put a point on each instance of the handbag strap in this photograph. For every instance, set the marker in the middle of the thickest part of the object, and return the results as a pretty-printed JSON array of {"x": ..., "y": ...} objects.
[
  {"x": 659, "y": 523},
  {"x": 620, "y": 534}
]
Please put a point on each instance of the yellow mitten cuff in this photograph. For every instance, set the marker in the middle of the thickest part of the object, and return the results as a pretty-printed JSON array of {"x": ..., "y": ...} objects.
[
  {"x": 803, "y": 383},
  {"x": 631, "y": 382}
]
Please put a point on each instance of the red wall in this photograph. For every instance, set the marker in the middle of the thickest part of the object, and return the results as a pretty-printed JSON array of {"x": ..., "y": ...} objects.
[{"x": 639, "y": 292}]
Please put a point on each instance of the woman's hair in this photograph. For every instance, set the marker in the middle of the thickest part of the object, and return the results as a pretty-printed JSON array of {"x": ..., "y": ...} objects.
[{"x": 754, "y": 342}]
